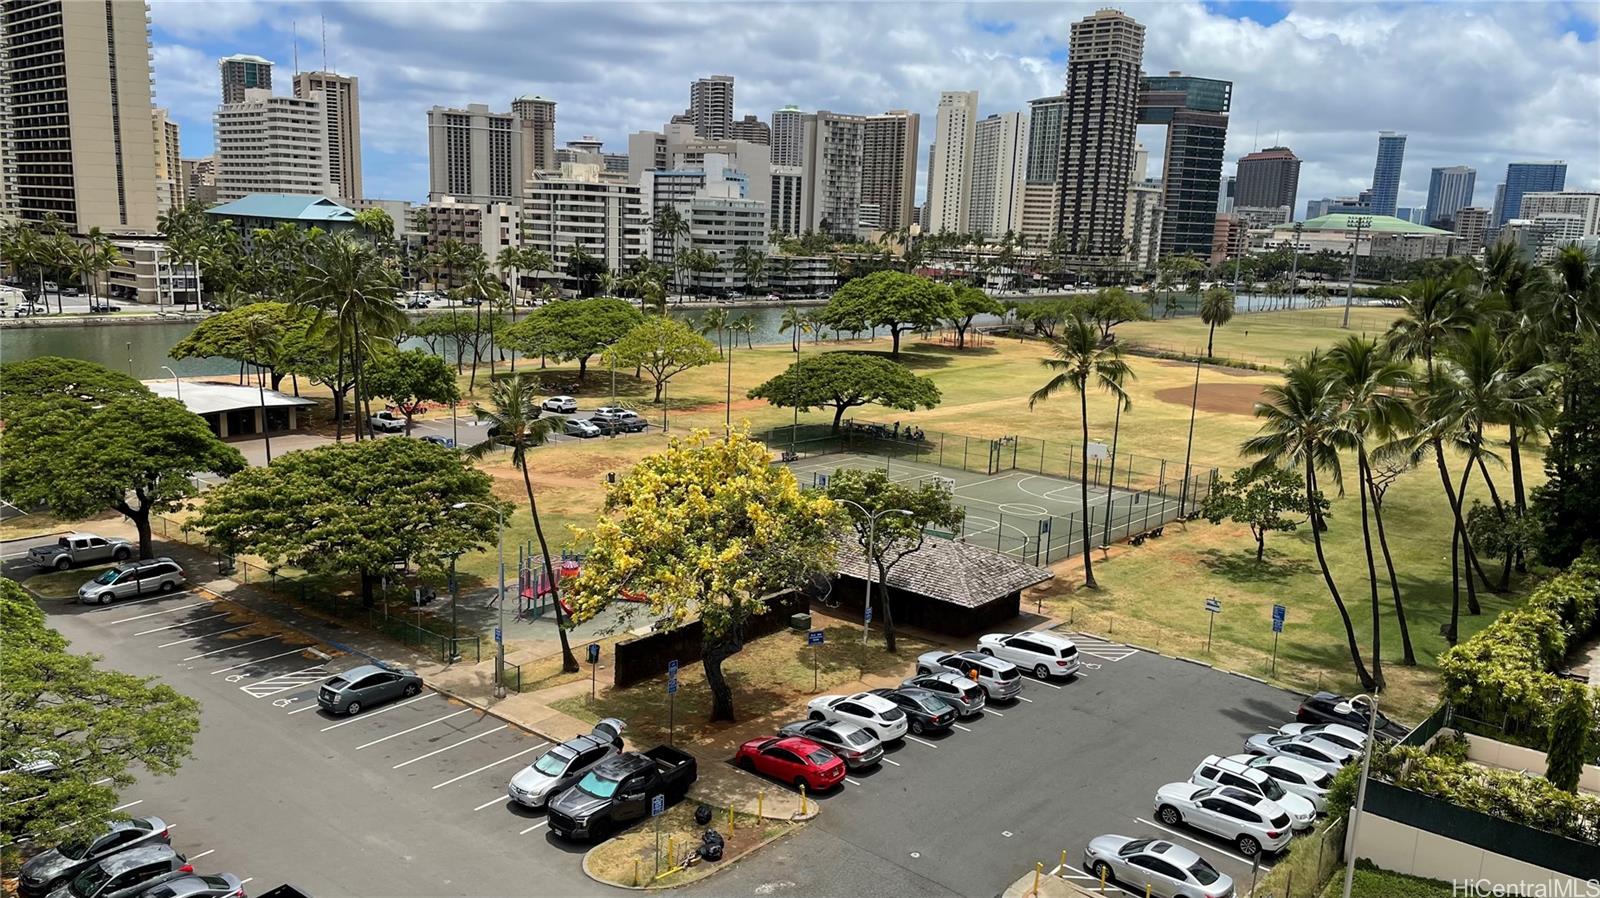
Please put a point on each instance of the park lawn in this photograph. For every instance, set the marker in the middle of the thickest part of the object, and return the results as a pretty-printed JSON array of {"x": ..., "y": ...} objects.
[{"x": 1262, "y": 337}]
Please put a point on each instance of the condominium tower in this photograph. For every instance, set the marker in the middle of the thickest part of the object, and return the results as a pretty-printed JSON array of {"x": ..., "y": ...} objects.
[
  {"x": 341, "y": 108},
  {"x": 788, "y": 135},
  {"x": 172, "y": 189},
  {"x": 536, "y": 116},
  {"x": 1267, "y": 178},
  {"x": 1041, "y": 187},
  {"x": 950, "y": 170},
  {"x": 241, "y": 73},
  {"x": 711, "y": 105},
  {"x": 269, "y": 144},
  {"x": 1449, "y": 189},
  {"x": 1100, "y": 127},
  {"x": 1195, "y": 113},
  {"x": 1386, "y": 173},
  {"x": 831, "y": 175},
  {"x": 889, "y": 166},
  {"x": 1526, "y": 177},
  {"x": 475, "y": 155},
  {"x": 999, "y": 162}
]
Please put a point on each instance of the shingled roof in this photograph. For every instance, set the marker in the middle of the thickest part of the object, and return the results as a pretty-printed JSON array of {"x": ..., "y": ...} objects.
[{"x": 949, "y": 571}]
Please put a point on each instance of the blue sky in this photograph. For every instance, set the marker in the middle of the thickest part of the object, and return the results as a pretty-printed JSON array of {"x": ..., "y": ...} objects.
[{"x": 1479, "y": 84}]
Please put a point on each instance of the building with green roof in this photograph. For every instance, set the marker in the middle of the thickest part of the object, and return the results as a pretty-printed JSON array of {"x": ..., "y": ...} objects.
[{"x": 1382, "y": 236}]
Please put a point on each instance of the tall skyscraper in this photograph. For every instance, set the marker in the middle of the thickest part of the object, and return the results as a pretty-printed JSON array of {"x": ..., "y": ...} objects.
[
  {"x": 1386, "y": 173},
  {"x": 1105, "y": 52},
  {"x": 711, "y": 105},
  {"x": 788, "y": 136},
  {"x": 999, "y": 164},
  {"x": 751, "y": 129},
  {"x": 950, "y": 173},
  {"x": 1195, "y": 113},
  {"x": 76, "y": 86},
  {"x": 172, "y": 189},
  {"x": 242, "y": 72},
  {"x": 1528, "y": 177},
  {"x": 1041, "y": 182},
  {"x": 1449, "y": 189},
  {"x": 831, "y": 175},
  {"x": 1267, "y": 178},
  {"x": 475, "y": 155},
  {"x": 268, "y": 144},
  {"x": 783, "y": 211},
  {"x": 1471, "y": 225},
  {"x": 341, "y": 105},
  {"x": 536, "y": 117},
  {"x": 889, "y": 166}
]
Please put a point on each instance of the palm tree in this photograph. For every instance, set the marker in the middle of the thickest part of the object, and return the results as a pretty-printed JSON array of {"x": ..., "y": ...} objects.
[
  {"x": 1303, "y": 427},
  {"x": 752, "y": 262},
  {"x": 794, "y": 320},
  {"x": 377, "y": 224},
  {"x": 514, "y": 417},
  {"x": 1370, "y": 380},
  {"x": 261, "y": 342},
  {"x": 671, "y": 224},
  {"x": 1079, "y": 357},
  {"x": 715, "y": 320},
  {"x": 484, "y": 290},
  {"x": 747, "y": 324},
  {"x": 1521, "y": 292},
  {"x": 1216, "y": 309},
  {"x": 354, "y": 288}
]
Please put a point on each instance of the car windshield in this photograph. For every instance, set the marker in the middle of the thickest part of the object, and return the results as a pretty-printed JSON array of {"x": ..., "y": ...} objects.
[
  {"x": 857, "y": 737},
  {"x": 598, "y": 786},
  {"x": 934, "y": 705},
  {"x": 1204, "y": 873},
  {"x": 554, "y": 762},
  {"x": 893, "y": 714},
  {"x": 1271, "y": 789},
  {"x": 89, "y": 881},
  {"x": 1134, "y": 847},
  {"x": 108, "y": 576},
  {"x": 820, "y": 757},
  {"x": 73, "y": 850}
]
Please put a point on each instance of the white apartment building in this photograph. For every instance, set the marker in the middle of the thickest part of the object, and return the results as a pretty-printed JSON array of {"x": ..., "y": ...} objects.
[
  {"x": 148, "y": 275},
  {"x": 341, "y": 108},
  {"x": 475, "y": 155},
  {"x": 268, "y": 144},
  {"x": 723, "y": 213},
  {"x": 831, "y": 174},
  {"x": 491, "y": 227},
  {"x": 999, "y": 164},
  {"x": 577, "y": 208},
  {"x": 950, "y": 170},
  {"x": 1143, "y": 214},
  {"x": 788, "y": 136},
  {"x": 788, "y": 195},
  {"x": 172, "y": 188},
  {"x": 1582, "y": 206}
]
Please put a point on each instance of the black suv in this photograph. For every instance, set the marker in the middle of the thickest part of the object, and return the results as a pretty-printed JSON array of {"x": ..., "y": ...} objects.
[
  {"x": 1328, "y": 707},
  {"x": 927, "y": 711}
]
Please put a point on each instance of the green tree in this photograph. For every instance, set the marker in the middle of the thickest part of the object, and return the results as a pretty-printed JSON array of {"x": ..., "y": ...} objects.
[
  {"x": 354, "y": 508},
  {"x": 966, "y": 304},
  {"x": 671, "y": 224},
  {"x": 796, "y": 323},
  {"x": 96, "y": 725},
  {"x": 862, "y": 494},
  {"x": 1568, "y": 503},
  {"x": 664, "y": 348},
  {"x": 1079, "y": 359},
  {"x": 1105, "y": 309},
  {"x": 355, "y": 289},
  {"x": 34, "y": 387},
  {"x": 1216, "y": 309},
  {"x": 846, "y": 380},
  {"x": 1267, "y": 500},
  {"x": 1570, "y": 727},
  {"x": 223, "y": 336},
  {"x": 892, "y": 299},
  {"x": 585, "y": 270},
  {"x": 410, "y": 380},
  {"x": 708, "y": 530},
  {"x": 716, "y": 321}
]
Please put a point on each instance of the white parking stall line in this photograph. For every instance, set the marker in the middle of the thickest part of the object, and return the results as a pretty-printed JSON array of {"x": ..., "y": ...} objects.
[
  {"x": 1203, "y": 844},
  {"x": 463, "y": 776},
  {"x": 246, "y": 880},
  {"x": 448, "y": 747},
  {"x": 922, "y": 741},
  {"x": 412, "y": 729},
  {"x": 123, "y": 807},
  {"x": 127, "y": 620},
  {"x": 283, "y": 682},
  {"x": 168, "y": 645},
  {"x": 1079, "y": 874},
  {"x": 533, "y": 827},
  {"x": 498, "y": 800},
  {"x": 196, "y": 857},
  {"x": 408, "y": 701},
  {"x": 1023, "y": 698},
  {"x": 961, "y": 728},
  {"x": 198, "y": 620},
  {"x": 1046, "y": 683},
  {"x": 891, "y": 761},
  {"x": 853, "y": 782},
  {"x": 988, "y": 710},
  {"x": 306, "y": 708},
  {"x": 246, "y": 663}
]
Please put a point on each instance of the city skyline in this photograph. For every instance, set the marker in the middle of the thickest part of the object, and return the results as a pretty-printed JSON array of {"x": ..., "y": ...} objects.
[{"x": 1008, "y": 53}]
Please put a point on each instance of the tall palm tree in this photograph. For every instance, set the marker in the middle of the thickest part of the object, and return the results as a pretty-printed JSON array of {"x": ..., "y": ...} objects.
[
  {"x": 377, "y": 224},
  {"x": 671, "y": 224},
  {"x": 716, "y": 320},
  {"x": 1520, "y": 291},
  {"x": 1078, "y": 357},
  {"x": 1216, "y": 309},
  {"x": 515, "y": 419},
  {"x": 794, "y": 320},
  {"x": 1303, "y": 427},
  {"x": 1370, "y": 380},
  {"x": 354, "y": 289},
  {"x": 745, "y": 323},
  {"x": 261, "y": 342},
  {"x": 483, "y": 288}
]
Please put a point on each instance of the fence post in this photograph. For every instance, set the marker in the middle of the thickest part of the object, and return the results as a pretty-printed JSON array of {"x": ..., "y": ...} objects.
[
  {"x": 1015, "y": 441},
  {"x": 941, "y": 450},
  {"x": 1044, "y": 446},
  {"x": 1161, "y": 478},
  {"x": 964, "y": 441}
]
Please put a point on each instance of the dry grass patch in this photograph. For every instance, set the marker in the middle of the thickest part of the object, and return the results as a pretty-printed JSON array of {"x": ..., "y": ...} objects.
[{"x": 630, "y": 858}]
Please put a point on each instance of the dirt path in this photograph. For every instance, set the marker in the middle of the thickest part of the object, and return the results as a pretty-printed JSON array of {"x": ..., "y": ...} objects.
[{"x": 1229, "y": 399}]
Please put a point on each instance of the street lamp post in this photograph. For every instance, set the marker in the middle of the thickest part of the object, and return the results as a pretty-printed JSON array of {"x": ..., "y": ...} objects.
[
  {"x": 176, "y": 383},
  {"x": 500, "y": 630},
  {"x": 1361, "y": 222},
  {"x": 1361, "y": 788},
  {"x": 872, "y": 547},
  {"x": 1294, "y": 267}
]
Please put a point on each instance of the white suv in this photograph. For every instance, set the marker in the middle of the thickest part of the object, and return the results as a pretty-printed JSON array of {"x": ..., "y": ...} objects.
[
  {"x": 873, "y": 713},
  {"x": 564, "y": 405},
  {"x": 1250, "y": 822},
  {"x": 1046, "y": 654},
  {"x": 1295, "y": 776},
  {"x": 150, "y": 577},
  {"x": 1219, "y": 771}
]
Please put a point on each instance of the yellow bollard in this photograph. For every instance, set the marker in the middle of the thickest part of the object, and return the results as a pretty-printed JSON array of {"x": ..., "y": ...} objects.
[
  {"x": 1063, "y": 862},
  {"x": 1038, "y": 869},
  {"x": 802, "y": 799},
  {"x": 1102, "y": 882},
  {"x": 672, "y": 860},
  {"x": 1147, "y": 890},
  {"x": 636, "y": 872},
  {"x": 730, "y": 821},
  {"x": 760, "y": 797}
]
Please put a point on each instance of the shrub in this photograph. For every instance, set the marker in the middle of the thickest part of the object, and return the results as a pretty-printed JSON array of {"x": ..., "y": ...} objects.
[
  {"x": 1507, "y": 794},
  {"x": 1569, "y": 738}
]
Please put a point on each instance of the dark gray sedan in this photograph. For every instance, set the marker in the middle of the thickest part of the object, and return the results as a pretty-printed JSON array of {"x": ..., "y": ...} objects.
[
  {"x": 367, "y": 685},
  {"x": 47, "y": 869},
  {"x": 858, "y": 747},
  {"x": 224, "y": 885}
]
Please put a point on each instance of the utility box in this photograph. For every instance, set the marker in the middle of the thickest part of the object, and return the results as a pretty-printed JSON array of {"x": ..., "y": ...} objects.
[{"x": 800, "y": 621}]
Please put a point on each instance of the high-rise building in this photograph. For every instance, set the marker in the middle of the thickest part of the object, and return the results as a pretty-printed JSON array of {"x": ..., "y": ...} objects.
[
  {"x": 999, "y": 166},
  {"x": 1142, "y": 217},
  {"x": 475, "y": 155},
  {"x": 711, "y": 106},
  {"x": 715, "y": 201},
  {"x": 201, "y": 177},
  {"x": 889, "y": 166},
  {"x": 788, "y": 190},
  {"x": 576, "y": 208},
  {"x": 172, "y": 190},
  {"x": 831, "y": 174},
  {"x": 1449, "y": 189},
  {"x": 341, "y": 106},
  {"x": 1225, "y": 189},
  {"x": 536, "y": 118},
  {"x": 752, "y": 160},
  {"x": 1499, "y": 205},
  {"x": 76, "y": 90},
  {"x": 1269, "y": 177},
  {"x": 1527, "y": 177},
  {"x": 491, "y": 227},
  {"x": 1041, "y": 187},
  {"x": 788, "y": 135},
  {"x": 1105, "y": 52},
  {"x": 1195, "y": 113},
  {"x": 950, "y": 171},
  {"x": 1472, "y": 226},
  {"x": 1318, "y": 208},
  {"x": 750, "y": 129},
  {"x": 242, "y": 72},
  {"x": 268, "y": 144},
  {"x": 1582, "y": 206},
  {"x": 1386, "y": 173}
]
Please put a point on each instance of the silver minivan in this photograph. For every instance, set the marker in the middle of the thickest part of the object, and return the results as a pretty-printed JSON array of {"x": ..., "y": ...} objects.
[{"x": 138, "y": 578}]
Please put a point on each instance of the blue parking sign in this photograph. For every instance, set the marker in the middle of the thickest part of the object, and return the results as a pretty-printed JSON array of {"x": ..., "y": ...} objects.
[
  {"x": 497, "y": 635},
  {"x": 594, "y": 653},
  {"x": 869, "y": 614},
  {"x": 1279, "y": 612},
  {"x": 672, "y": 686},
  {"x": 814, "y": 637},
  {"x": 672, "y": 668},
  {"x": 658, "y": 805}
]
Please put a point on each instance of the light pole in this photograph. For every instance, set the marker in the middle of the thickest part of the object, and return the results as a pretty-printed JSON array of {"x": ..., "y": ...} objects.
[
  {"x": 1294, "y": 267},
  {"x": 1361, "y": 222},
  {"x": 1361, "y": 788},
  {"x": 176, "y": 383},
  {"x": 727, "y": 419},
  {"x": 872, "y": 547},
  {"x": 500, "y": 631}
]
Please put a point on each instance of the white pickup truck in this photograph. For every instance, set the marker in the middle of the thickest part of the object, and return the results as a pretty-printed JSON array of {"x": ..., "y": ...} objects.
[
  {"x": 388, "y": 422},
  {"x": 74, "y": 549}
]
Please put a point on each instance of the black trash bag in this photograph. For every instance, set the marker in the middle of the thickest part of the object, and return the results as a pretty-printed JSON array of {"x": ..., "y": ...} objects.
[
  {"x": 711, "y": 845},
  {"x": 702, "y": 815}
]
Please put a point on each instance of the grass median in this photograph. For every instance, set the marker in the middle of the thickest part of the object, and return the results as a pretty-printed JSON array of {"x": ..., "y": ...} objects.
[{"x": 633, "y": 858}]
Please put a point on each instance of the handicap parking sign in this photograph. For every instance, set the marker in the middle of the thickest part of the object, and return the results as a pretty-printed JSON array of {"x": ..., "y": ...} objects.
[{"x": 814, "y": 637}]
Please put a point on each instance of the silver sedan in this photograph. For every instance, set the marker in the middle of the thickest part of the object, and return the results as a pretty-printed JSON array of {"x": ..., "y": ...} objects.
[
  {"x": 858, "y": 747},
  {"x": 1167, "y": 870}
]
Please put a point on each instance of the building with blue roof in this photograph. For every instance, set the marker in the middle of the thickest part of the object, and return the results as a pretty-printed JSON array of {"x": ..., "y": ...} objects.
[{"x": 268, "y": 210}]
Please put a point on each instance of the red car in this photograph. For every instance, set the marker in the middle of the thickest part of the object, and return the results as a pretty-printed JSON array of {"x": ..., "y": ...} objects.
[{"x": 791, "y": 759}]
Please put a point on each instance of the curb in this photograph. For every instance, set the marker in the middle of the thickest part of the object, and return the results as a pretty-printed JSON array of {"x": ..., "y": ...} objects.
[
  {"x": 726, "y": 863},
  {"x": 490, "y": 711},
  {"x": 1186, "y": 660},
  {"x": 1206, "y": 664}
]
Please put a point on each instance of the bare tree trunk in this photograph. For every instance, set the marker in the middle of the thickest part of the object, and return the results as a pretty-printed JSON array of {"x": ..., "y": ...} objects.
[
  {"x": 1083, "y": 489},
  {"x": 1327, "y": 577},
  {"x": 1372, "y": 575},
  {"x": 712, "y": 656},
  {"x": 569, "y": 663},
  {"x": 1408, "y": 656}
]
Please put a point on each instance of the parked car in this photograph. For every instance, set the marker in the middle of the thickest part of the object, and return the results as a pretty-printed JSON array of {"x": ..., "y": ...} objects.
[
  {"x": 446, "y": 442},
  {"x": 48, "y": 869},
  {"x": 388, "y": 422},
  {"x": 1294, "y": 775},
  {"x": 1219, "y": 771},
  {"x": 1347, "y": 737},
  {"x": 222, "y": 885},
  {"x": 1046, "y": 654},
  {"x": 367, "y": 685},
  {"x": 1000, "y": 679},
  {"x": 854, "y": 744},
  {"x": 874, "y": 713},
  {"x": 1250, "y": 822},
  {"x": 583, "y": 430},
  {"x": 967, "y": 696},
  {"x": 25, "y": 309},
  {"x": 561, "y": 767},
  {"x": 126, "y": 873},
  {"x": 619, "y": 791},
  {"x": 1319, "y": 753},
  {"x": 926, "y": 711},
  {"x": 564, "y": 405},
  {"x": 1171, "y": 871},
  {"x": 615, "y": 419},
  {"x": 1328, "y": 707},
  {"x": 135, "y": 578},
  {"x": 793, "y": 759},
  {"x": 104, "y": 307},
  {"x": 77, "y": 549}
]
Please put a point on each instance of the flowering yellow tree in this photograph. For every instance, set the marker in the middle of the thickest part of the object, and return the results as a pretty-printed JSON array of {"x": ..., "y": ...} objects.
[{"x": 707, "y": 529}]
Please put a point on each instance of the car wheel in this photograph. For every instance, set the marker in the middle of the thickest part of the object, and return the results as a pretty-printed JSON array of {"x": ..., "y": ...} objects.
[
  {"x": 353, "y": 709},
  {"x": 916, "y": 727},
  {"x": 63, "y": 563},
  {"x": 412, "y": 689},
  {"x": 986, "y": 650},
  {"x": 105, "y": 598},
  {"x": 168, "y": 586},
  {"x": 1169, "y": 815},
  {"x": 1103, "y": 870},
  {"x": 746, "y": 764},
  {"x": 1042, "y": 672},
  {"x": 815, "y": 715},
  {"x": 122, "y": 554},
  {"x": 1248, "y": 846}
]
